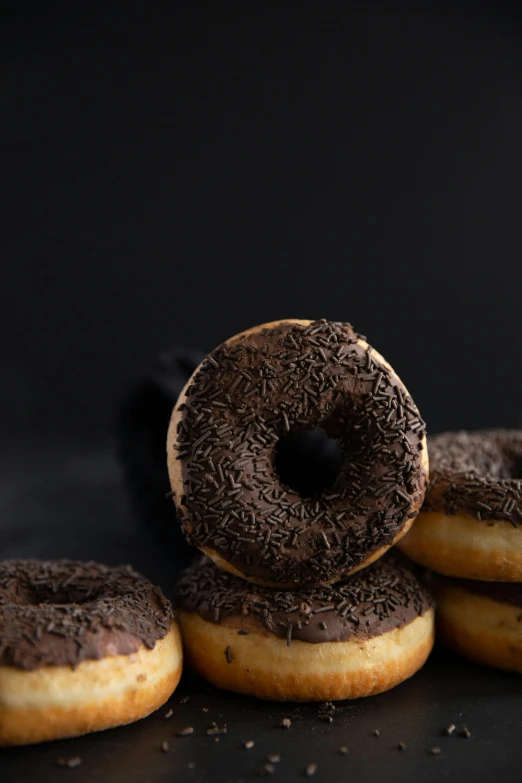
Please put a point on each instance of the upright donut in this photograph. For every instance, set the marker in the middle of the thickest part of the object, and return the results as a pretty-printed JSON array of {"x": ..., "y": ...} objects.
[
  {"x": 470, "y": 525},
  {"x": 254, "y": 389},
  {"x": 83, "y": 647}
]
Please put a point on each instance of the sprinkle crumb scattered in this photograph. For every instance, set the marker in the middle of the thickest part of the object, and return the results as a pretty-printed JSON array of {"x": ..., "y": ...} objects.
[
  {"x": 216, "y": 739},
  {"x": 311, "y": 769},
  {"x": 376, "y": 733},
  {"x": 343, "y": 750},
  {"x": 184, "y": 699},
  {"x": 466, "y": 732},
  {"x": 204, "y": 709},
  {"x": 448, "y": 731},
  {"x": 269, "y": 769},
  {"x": 215, "y": 730},
  {"x": 285, "y": 723},
  {"x": 401, "y": 746},
  {"x": 71, "y": 763},
  {"x": 273, "y": 758},
  {"x": 165, "y": 746},
  {"x": 228, "y": 654},
  {"x": 435, "y": 751},
  {"x": 248, "y": 744},
  {"x": 168, "y": 715},
  {"x": 186, "y": 732}
]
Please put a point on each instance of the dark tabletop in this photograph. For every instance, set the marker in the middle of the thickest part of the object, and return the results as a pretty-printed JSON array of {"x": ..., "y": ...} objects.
[{"x": 58, "y": 502}]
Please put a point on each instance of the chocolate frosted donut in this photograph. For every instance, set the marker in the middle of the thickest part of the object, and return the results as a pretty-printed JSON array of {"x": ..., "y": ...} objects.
[
  {"x": 471, "y": 522},
  {"x": 482, "y": 620},
  {"x": 82, "y": 647},
  {"x": 252, "y": 391},
  {"x": 355, "y": 638}
]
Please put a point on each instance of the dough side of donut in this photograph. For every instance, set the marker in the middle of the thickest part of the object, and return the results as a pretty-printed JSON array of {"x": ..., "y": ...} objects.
[
  {"x": 461, "y": 546},
  {"x": 262, "y": 664},
  {"x": 480, "y": 628},
  {"x": 176, "y": 479},
  {"x": 57, "y": 701}
]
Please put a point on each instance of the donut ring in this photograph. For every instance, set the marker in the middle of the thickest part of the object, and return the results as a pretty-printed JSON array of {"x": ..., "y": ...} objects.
[
  {"x": 482, "y": 620},
  {"x": 83, "y": 647},
  {"x": 252, "y": 390},
  {"x": 471, "y": 523},
  {"x": 355, "y": 638}
]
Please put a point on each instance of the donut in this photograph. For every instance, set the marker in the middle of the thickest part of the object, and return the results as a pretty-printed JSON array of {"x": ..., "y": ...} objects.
[
  {"x": 482, "y": 620},
  {"x": 83, "y": 647},
  {"x": 250, "y": 393},
  {"x": 470, "y": 525},
  {"x": 355, "y": 638}
]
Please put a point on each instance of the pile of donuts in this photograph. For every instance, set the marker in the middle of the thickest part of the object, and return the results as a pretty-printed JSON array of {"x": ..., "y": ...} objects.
[
  {"x": 469, "y": 534},
  {"x": 297, "y": 595}
]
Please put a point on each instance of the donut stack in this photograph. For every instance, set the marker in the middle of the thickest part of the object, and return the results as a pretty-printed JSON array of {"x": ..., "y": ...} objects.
[
  {"x": 469, "y": 532},
  {"x": 292, "y": 598}
]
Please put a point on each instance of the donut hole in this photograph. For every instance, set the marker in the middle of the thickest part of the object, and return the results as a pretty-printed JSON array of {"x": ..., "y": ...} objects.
[{"x": 308, "y": 462}]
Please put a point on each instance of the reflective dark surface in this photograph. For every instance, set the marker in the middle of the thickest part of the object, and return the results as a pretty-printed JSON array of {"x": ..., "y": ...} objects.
[{"x": 63, "y": 503}]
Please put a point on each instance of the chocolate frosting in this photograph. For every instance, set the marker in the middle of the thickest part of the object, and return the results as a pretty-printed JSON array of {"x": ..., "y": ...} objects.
[
  {"x": 477, "y": 474},
  {"x": 254, "y": 390},
  {"x": 377, "y": 599},
  {"x": 502, "y": 592},
  {"x": 58, "y": 613}
]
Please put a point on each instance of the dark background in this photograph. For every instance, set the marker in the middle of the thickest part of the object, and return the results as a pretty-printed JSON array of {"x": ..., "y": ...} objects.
[{"x": 175, "y": 176}]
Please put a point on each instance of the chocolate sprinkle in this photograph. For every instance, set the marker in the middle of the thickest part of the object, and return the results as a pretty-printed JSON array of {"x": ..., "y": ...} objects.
[
  {"x": 477, "y": 474},
  {"x": 215, "y": 730},
  {"x": 233, "y": 501},
  {"x": 186, "y": 732},
  {"x": 448, "y": 731},
  {"x": 435, "y": 751},
  {"x": 248, "y": 744},
  {"x": 71, "y": 763},
  {"x": 61, "y": 612},
  {"x": 384, "y": 596},
  {"x": 285, "y": 723},
  {"x": 311, "y": 769}
]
